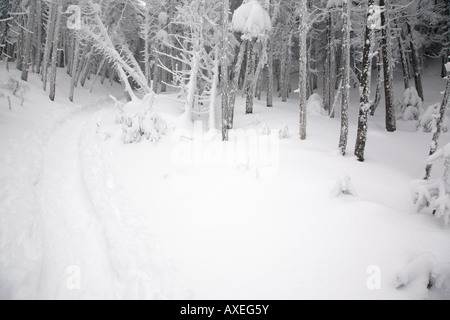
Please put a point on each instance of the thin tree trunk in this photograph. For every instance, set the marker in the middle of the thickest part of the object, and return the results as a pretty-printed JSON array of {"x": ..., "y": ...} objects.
[
  {"x": 437, "y": 134},
  {"x": 303, "y": 67},
  {"x": 74, "y": 69},
  {"x": 386, "y": 49},
  {"x": 365, "y": 86},
  {"x": 415, "y": 62},
  {"x": 235, "y": 83},
  {"x": 270, "y": 81},
  {"x": 28, "y": 36},
  {"x": 48, "y": 44},
  {"x": 378, "y": 92},
  {"x": 55, "y": 53},
  {"x": 224, "y": 76},
  {"x": 343, "y": 141},
  {"x": 403, "y": 59},
  {"x": 250, "y": 79}
]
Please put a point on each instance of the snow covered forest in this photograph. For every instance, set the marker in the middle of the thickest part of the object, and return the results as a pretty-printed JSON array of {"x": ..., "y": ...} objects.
[{"x": 231, "y": 149}]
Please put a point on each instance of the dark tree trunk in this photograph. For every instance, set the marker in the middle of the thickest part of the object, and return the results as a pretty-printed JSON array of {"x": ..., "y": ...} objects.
[
  {"x": 343, "y": 141},
  {"x": 361, "y": 138},
  {"x": 391, "y": 121},
  {"x": 416, "y": 62}
]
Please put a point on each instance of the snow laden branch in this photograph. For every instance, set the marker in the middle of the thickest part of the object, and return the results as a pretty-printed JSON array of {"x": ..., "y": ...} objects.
[{"x": 95, "y": 31}]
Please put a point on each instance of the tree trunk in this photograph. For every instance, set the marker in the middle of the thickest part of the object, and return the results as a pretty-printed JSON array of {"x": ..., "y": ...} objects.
[
  {"x": 303, "y": 67},
  {"x": 250, "y": 79},
  {"x": 55, "y": 53},
  {"x": 437, "y": 134},
  {"x": 365, "y": 86},
  {"x": 345, "y": 75},
  {"x": 415, "y": 62},
  {"x": 235, "y": 84},
  {"x": 403, "y": 59},
  {"x": 329, "y": 68},
  {"x": 378, "y": 93},
  {"x": 74, "y": 69},
  {"x": 224, "y": 79},
  {"x": 48, "y": 44},
  {"x": 386, "y": 49},
  {"x": 270, "y": 81},
  {"x": 28, "y": 37}
]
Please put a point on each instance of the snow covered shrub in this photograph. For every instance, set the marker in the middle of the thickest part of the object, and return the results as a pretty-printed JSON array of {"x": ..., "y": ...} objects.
[
  {"x": 13, "y": 87},
  {"x": 315, "y": 105},
  {"x": 284, "y": 132},
  {"x": 424, "y": 270},
  {"x": 139, "y": 121},
  {"x": 435, "y": 194},
  {"x": 411, "y": 105},
  {"x": 428, "y": 121},
  {"x": 344, "y": 187}
]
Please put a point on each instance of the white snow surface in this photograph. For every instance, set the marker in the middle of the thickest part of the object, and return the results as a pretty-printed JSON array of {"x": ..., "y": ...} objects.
[{"x": 133, "y": 223}]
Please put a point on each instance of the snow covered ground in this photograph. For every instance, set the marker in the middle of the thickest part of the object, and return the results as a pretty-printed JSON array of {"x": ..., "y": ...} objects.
[{"x": 83, "y": 215}]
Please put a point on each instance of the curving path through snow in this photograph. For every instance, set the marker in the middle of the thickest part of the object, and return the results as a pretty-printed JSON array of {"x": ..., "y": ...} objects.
[{"x": 74, "y": 257}]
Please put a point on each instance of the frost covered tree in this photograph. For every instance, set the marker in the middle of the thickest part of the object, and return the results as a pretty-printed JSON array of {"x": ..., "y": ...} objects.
[
  {"x": 253, "y": 21},
  {"x": 196, "y": 52}
]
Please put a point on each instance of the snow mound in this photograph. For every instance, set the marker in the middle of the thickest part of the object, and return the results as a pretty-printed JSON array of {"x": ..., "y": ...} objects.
[
  {"x": 139, "y": 121},
  {"x": 411, "y": 105},
  {"x": 344, "y": 187},
  {"x": 418, "y": 269},
  {"x": 284, "y": 132},
  {"x": 428, "y": 121},
  {"x": 252, "y": 20},
  {"x": 315, "y": 105}
]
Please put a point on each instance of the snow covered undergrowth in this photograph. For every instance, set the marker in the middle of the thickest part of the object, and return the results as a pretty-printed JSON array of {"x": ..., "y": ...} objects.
[{"x": 135, "y": 223}]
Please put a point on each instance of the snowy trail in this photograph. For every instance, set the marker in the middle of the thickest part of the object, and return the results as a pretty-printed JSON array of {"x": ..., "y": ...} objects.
[{"x": 74, "y": 246}]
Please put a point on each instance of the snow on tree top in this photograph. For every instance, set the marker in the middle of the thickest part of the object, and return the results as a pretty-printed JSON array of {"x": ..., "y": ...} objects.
[{"x": 252, "y": 20}]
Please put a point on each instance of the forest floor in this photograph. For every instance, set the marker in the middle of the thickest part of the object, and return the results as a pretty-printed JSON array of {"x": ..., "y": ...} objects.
[{"x": 83, "y": 215}]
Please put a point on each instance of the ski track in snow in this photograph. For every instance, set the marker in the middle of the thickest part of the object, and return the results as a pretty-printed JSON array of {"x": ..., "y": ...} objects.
[
  {"x": 66, "y": 232},
  {"x": 73, "y": 244}
]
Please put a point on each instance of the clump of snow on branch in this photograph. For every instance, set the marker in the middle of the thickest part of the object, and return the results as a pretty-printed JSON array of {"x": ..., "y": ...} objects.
[
  {"x": 252, "y": 20},
  {"x": 429, "y": 120},
  {"x": 435, "y": 194},
  {"x": 411, "y": 105},
  {"x": 140, "y": 122}
]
